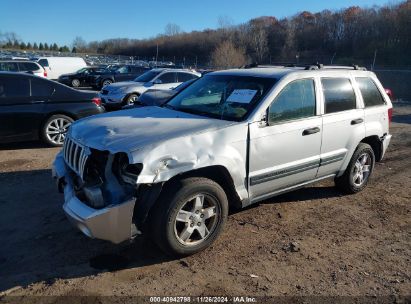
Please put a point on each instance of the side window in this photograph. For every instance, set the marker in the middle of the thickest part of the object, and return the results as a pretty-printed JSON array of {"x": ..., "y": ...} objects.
[
  {"x": 8, "y": 66},
  {"x": 41, "y": 88},
  {"x": 168, "y": 78},
  {"x": 369, "y": 92},
  {"x": 28, "y": 66},
  {"x": 12, "y": 87},
  {"x": 123, "y": 70},
  {"x": 338, "y": 95},
  {"x": 183, "y": 77},
  {"x": 44, "y": 62},
  {"x": 295, "y": 101}
]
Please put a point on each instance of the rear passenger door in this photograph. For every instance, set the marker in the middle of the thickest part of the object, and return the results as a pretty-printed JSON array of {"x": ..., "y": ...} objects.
[
  {"x": 343, "y": 124},
  {"x": 287, "y": 151}
]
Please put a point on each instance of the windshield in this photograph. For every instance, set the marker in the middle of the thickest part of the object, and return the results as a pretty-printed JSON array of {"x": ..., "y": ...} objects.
[
  {"x": 223, "y": 97},
  {"x": 147, "y": 76}
]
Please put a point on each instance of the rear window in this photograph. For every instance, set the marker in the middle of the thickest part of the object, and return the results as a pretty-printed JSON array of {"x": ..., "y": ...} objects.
[
  {"x": 183, "y": 77},
  {"x": 9, "y": 66},
  {"x": 338, "y": 95},
  {"x": 14, "y": 87},
  {"x": 369, "y": 91},
  {"x": 44, "y": 62}
]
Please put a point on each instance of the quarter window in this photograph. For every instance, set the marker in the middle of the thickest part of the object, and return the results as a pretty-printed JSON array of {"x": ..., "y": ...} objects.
[
  {"x": 295, "y": 101},
  {"x": 183, "y": 77},
  {"x": 41, "y": 88},
  {"x": 44, "y": 62},
  {"x": 338, "y": 94},
  {"x": 369, "y": 91}
]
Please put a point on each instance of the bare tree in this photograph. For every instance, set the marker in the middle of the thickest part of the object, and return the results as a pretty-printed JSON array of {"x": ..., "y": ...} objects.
[
  {"x": 226, "y": 55},
  {"x": 172, "y": 29},
  {"x": 79, "y": 44}
]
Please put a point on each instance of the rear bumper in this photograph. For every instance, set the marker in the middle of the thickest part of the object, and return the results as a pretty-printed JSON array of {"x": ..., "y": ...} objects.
[
  {"x": 385, "y": 141},
  {"x": 112, "y": 101},
  {"x": 112, "y": 223}
]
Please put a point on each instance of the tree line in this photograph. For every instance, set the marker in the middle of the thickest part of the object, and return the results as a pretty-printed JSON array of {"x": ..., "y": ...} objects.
[{"x": 352, "y": 35}]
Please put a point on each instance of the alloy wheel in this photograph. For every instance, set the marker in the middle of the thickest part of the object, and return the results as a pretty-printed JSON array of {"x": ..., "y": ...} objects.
[
  {"x": 196, "y": 220},
  {"x": 362, "y": 169},
  {"x": 56, "y": 130}
]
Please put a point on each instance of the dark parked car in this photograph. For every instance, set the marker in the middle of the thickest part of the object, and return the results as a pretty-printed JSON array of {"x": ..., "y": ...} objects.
[
  {"x": 82, "y": 77},
  {"x": 32, "y": 107},
  {"x": 23, "y": 66},
  {"x": 158, "y": 97},
  {"x": 121, "y": 73}
]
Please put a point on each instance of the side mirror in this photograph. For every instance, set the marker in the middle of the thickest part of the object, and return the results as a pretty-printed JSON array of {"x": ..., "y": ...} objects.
[
  {"x": 157, "y": 81},
  {"x": 148, "y": 84},
  {"x": 263, "y": 122}
]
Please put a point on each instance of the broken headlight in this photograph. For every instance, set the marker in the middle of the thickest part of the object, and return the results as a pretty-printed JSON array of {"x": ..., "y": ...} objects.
[{"x": 125, "y": 172}]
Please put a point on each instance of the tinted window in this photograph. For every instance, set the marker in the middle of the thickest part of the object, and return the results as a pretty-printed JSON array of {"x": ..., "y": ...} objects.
[
  {"x": 43, "y": 62},
  {"x": 296, "y": 100},
  {"x": 41, "y": 88},
  {"x": 28, "y": 66},
  {"x": 14, "y": 87},
  {"x": 182, "y": 77},
  {"x": 168, "y": 78},
  {"x": 8, "y": 66},
  {"x": 147, "y": 76},
  {"x": 339, "y": 94},
  {"x": 369, "y": 92},
  {"x": 123, "y": 70}
]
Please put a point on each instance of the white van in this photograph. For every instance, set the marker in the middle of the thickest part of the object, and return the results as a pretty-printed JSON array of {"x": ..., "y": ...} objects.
[{"x": 56, "y": 66}]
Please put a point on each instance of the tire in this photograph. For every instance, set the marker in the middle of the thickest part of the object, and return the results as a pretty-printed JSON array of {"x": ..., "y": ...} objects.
[
  {"x": 54, "y": 129},
  {"x": 131, "y": 99},
  {"x": 188, "y": 234},
  {"x": 359, "y": 170},
  {"x": 106, "y": 82},
  {"x": 75, "y": 83}
]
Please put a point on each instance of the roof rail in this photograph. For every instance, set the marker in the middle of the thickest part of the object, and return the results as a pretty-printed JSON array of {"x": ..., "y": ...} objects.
[{"x": 313, "y": 66}]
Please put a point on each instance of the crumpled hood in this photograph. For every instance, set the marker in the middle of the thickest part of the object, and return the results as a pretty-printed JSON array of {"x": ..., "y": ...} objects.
[{"x": 129, "y": 130}]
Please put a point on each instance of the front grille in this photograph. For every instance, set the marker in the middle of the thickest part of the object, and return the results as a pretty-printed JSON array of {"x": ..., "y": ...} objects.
[
  {"x": 75, "y": 156},
  {"x": 104, "y": 92}
]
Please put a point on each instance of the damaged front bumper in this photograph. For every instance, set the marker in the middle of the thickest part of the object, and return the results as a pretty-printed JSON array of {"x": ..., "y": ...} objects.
[{"x": 112, "y": 223}]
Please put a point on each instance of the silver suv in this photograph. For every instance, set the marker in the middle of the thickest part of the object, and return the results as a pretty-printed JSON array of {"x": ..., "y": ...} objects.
[{"x": 231, "y": 139}]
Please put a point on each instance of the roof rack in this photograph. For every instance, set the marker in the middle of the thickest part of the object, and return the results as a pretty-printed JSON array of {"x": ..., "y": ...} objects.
[{"x": 313, "y": 66}]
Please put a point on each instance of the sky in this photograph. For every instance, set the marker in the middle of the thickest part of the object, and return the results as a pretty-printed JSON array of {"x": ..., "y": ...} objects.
[{"x": 61, "y": 21}]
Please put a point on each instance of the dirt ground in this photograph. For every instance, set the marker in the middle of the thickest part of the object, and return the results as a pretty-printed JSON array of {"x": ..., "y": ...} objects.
[{"x": 313, "y": 242}]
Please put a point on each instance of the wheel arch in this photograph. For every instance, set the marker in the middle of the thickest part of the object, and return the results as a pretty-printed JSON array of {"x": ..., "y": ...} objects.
[
  {"x": 376, "y": 145},
  {"x": 149, "y": 194}
]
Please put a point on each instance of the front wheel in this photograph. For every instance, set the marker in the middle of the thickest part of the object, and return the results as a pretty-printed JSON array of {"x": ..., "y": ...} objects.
[
  {"x": 131, "y": 99},
  {"x": 358, "y": 172},
  {"x": 55, "y": 128},
  {"x": 189, "y": 216},
  {"x": 75, "y": 83},
  {"x": 106, "y": 82}
]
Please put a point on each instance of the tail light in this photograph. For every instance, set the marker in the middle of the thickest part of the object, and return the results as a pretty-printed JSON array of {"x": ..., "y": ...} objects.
[
  {"x": 45, "y": 73},
  {"x": 96, "y": 101},
  {"x": 390, "y": 115}
]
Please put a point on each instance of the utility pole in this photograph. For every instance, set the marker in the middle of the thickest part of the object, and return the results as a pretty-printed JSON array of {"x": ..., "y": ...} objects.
[
  {"x": 375, "y": 58},
  {"x": 157, "y": 55}
]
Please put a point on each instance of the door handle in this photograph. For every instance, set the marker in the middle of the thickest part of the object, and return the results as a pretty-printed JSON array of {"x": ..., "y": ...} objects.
[
  {"x": 311, "y": 131},
  {"x": 357, "y": 121},
  {"x": 37, "y": 101}
]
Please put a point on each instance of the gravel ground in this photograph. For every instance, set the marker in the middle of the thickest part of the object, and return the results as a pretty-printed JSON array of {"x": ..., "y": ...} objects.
[{"x": 312, "y": 242}]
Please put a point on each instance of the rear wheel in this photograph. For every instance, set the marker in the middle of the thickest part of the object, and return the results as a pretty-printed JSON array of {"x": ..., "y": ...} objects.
[
  {"x": 55, "y": 129},
  {"x": 75, "y": 83},
  {"x": 189, "y": 216},
  {"x": 131, "y": 99},
  {"x": 358, "y": 172}
]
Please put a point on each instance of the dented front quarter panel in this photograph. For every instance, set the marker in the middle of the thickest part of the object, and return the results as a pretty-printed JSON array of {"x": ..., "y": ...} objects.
[{"x": 226, "y": 147}]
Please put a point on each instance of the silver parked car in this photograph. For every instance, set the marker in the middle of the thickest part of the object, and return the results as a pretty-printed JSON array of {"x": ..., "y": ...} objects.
[
  {"x": 231, "y": 139},
  {"x": 118, "y": 94}
]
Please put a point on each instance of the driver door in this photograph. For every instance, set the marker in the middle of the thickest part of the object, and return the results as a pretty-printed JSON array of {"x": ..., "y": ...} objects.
[{"x": 286, "y": 152}]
